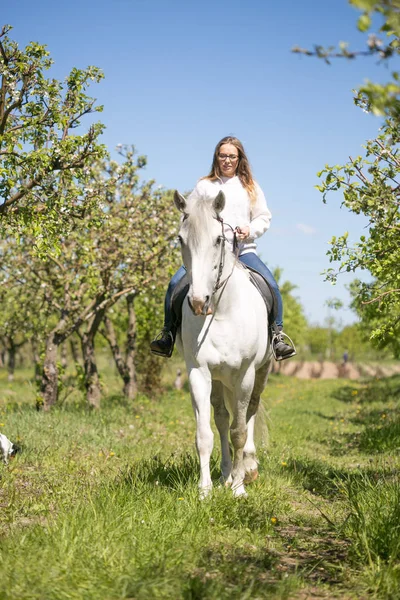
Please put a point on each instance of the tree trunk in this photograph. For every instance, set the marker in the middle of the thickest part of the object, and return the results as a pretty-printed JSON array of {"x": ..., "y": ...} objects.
[
  {"x": 20, "y": 356},
  {"x": 36, "y": 360},
  {"x": 64, "y": 355},
  {"x": 109, "y": 334},
  {"x": 126, "y": 367},
  {"x": 12, "y": 352},
  {"x": 92, "y": 380},
  {"x": 130, "y": 383},
  {"x": 74, "y": 350},
  {"x": 49, "y": 384}
]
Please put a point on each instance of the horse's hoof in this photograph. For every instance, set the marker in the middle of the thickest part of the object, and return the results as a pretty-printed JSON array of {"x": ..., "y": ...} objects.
[
  {"x": 226, "y": 482},
  {"x": 251, "y": 476},
  {"x": 240, "y": 492},
  {"x": 203, "y": 494}
]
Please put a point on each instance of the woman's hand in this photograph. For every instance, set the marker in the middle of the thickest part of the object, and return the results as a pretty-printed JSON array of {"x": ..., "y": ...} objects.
[{"x": 242, "y": 233}]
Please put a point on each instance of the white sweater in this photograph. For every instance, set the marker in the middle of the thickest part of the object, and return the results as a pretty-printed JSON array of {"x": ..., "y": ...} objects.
[{"x": 237, "y": 211}]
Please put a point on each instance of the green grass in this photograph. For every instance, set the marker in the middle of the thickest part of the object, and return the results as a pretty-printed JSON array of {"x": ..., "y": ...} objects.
[{"x": 105, "y": 505}]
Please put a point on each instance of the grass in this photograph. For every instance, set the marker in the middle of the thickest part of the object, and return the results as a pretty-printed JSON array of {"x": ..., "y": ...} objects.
[{"x": 105, "y": 505}]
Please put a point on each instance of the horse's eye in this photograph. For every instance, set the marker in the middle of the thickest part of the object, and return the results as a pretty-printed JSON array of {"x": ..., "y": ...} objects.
[
  {"x": 218, "y": 240},
  {"x": 180, "y": 240}
]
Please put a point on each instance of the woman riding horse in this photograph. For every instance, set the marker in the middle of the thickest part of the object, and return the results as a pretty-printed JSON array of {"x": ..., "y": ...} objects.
[{"x": 247, "y": 213}]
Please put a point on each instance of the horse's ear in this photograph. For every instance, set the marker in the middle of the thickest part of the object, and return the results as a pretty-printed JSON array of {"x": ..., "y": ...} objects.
[
  {"x": 219, "y": 202},
  {"x": 180, "y": 201}
]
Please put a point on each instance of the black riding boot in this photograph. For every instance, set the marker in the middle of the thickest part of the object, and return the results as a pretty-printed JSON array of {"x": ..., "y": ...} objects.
[
  {"x": 163, "y": 343},
  {"x": 280, "y": 349}
]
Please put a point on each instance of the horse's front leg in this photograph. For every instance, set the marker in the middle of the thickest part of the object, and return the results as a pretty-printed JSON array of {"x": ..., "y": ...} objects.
[
  {"x": 221, "y": 418},
  {"x": 200, "y": 388},
  {"x": 241, "y": 397}
]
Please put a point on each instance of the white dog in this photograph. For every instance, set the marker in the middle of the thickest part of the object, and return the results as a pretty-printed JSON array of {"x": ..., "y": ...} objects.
[{"x": 7, "y": 447}]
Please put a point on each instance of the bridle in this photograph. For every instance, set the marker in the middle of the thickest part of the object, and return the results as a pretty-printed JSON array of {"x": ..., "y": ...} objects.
[{"x": 218, "y": 283}]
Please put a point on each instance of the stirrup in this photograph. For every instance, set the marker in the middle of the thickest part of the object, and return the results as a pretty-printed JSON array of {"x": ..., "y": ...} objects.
[{"x": 282, "y": 334}]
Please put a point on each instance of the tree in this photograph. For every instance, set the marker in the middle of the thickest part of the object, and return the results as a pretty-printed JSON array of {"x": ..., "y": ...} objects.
[
  {"x": 124, "y": 361},
  {"x": 22, "y": 317},
  {"x": 145, "y": 223},
  {"x": 128, "y": 330},
  {"x": 353, "y": 339},
  {"x": 150, "y": 315},
  {"x": 97, "y": 266},
  {"x": 42, "y": 159},
  {"x": 371, "y": 185},
  {"x": 295, "y": 321}
]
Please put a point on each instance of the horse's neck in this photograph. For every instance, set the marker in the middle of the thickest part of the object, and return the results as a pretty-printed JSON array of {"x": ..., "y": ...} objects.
[{"x": 233, "y": 278}]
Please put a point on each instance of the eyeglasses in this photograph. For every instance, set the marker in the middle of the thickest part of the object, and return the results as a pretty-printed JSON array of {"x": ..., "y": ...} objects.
[{"x": 232, "y": 157}]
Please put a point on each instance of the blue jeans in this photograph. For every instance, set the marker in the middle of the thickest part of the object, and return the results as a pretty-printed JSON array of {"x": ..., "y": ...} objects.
[{"x": 250, "y": 259}]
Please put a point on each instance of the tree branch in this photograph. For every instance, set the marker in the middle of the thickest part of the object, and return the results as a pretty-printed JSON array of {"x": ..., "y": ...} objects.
[
  {"x": 18, "y": 195},
  {"x": 2, "y": 51},
  {"x": 15, "y": 104},
  {"x": 360, "y": 175},
  {"x": 386, "y": 151},
  {"x": 378, "y": 298}
]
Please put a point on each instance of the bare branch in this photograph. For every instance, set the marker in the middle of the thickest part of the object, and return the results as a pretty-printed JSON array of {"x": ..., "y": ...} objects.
[
  {"x": 390, "y": 154},
  {"x": 2, "y": 51},
  {"x": 360, "y": 175},
  {"x": 327, "y": 53},
  {"x": 18, "y": 195},
  {"x": 16, "y": 104},
  {"x": 378, "y": 298},
  {"x": 56, "y": 262}
]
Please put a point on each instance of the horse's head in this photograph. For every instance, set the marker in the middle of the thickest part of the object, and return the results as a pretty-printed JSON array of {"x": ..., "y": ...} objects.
[{"x": 202, "y": 244}]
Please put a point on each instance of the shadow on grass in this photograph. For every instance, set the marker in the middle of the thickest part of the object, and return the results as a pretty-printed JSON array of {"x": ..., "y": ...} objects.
[
  {"x": 317, "y": 477},
  {"x": 320, "y": 479},
  {"x": 376, "y": 390},
  {"x": 381, "y": 438},
  {"x": 174, "y": 472},
  {"x": 180, "y": 472},
  {"x": 247, "y": 571},
  {"x": 226, "y": 571},
  {"x": 379, "y": 435},
  {"x": 323, "y": 480},
  {"x": 112, "y": 400},
  {"x": 380, "y": 424}
]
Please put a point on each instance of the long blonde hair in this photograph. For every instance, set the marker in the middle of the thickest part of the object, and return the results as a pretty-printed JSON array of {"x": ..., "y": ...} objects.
[{"x": 243, "y": 170}]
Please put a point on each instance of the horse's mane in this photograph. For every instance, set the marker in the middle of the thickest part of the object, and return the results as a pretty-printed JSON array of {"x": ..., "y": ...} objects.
[{"x": 200, "y": 213}]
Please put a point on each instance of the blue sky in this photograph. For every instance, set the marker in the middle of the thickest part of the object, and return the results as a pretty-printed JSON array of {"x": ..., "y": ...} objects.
[{"x": 181, "y": 74}]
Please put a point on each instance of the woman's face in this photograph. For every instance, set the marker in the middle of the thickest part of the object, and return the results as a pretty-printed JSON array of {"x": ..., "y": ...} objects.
[{"x": 228, "y": 157}]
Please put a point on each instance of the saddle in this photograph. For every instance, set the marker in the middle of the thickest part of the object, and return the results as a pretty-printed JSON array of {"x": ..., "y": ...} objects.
[
  {"x": 263, "y": 287},
  {"x": 266, "y": 291}
]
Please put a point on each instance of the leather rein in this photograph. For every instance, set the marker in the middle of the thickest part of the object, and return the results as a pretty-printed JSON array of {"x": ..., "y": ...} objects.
[{"x": 218, "y": 283}]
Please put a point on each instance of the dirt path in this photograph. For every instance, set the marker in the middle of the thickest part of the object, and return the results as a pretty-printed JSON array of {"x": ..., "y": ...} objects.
[{"x": 331, "y": 370}]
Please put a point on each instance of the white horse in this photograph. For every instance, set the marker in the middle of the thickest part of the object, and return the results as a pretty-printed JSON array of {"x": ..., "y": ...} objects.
[{"x": 225, "y": 343}]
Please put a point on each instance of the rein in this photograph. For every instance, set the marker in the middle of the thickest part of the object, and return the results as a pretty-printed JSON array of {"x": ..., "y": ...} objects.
[{"x": 218, "y": 284}]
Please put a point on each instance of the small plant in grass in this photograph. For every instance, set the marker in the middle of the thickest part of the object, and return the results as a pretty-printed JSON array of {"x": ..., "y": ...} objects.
[{"x": 373, "y": 525}]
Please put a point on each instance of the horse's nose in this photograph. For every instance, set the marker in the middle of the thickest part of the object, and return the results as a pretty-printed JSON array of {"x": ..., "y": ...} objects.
[
  {"x": 197, "y": 306},
  {"x": 201, "y": 306}
]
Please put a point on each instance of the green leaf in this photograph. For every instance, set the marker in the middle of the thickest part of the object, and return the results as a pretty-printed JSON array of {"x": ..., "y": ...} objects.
[
  {"x": 363, "y": 4},
  {"x": 364, "y": 22}
]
